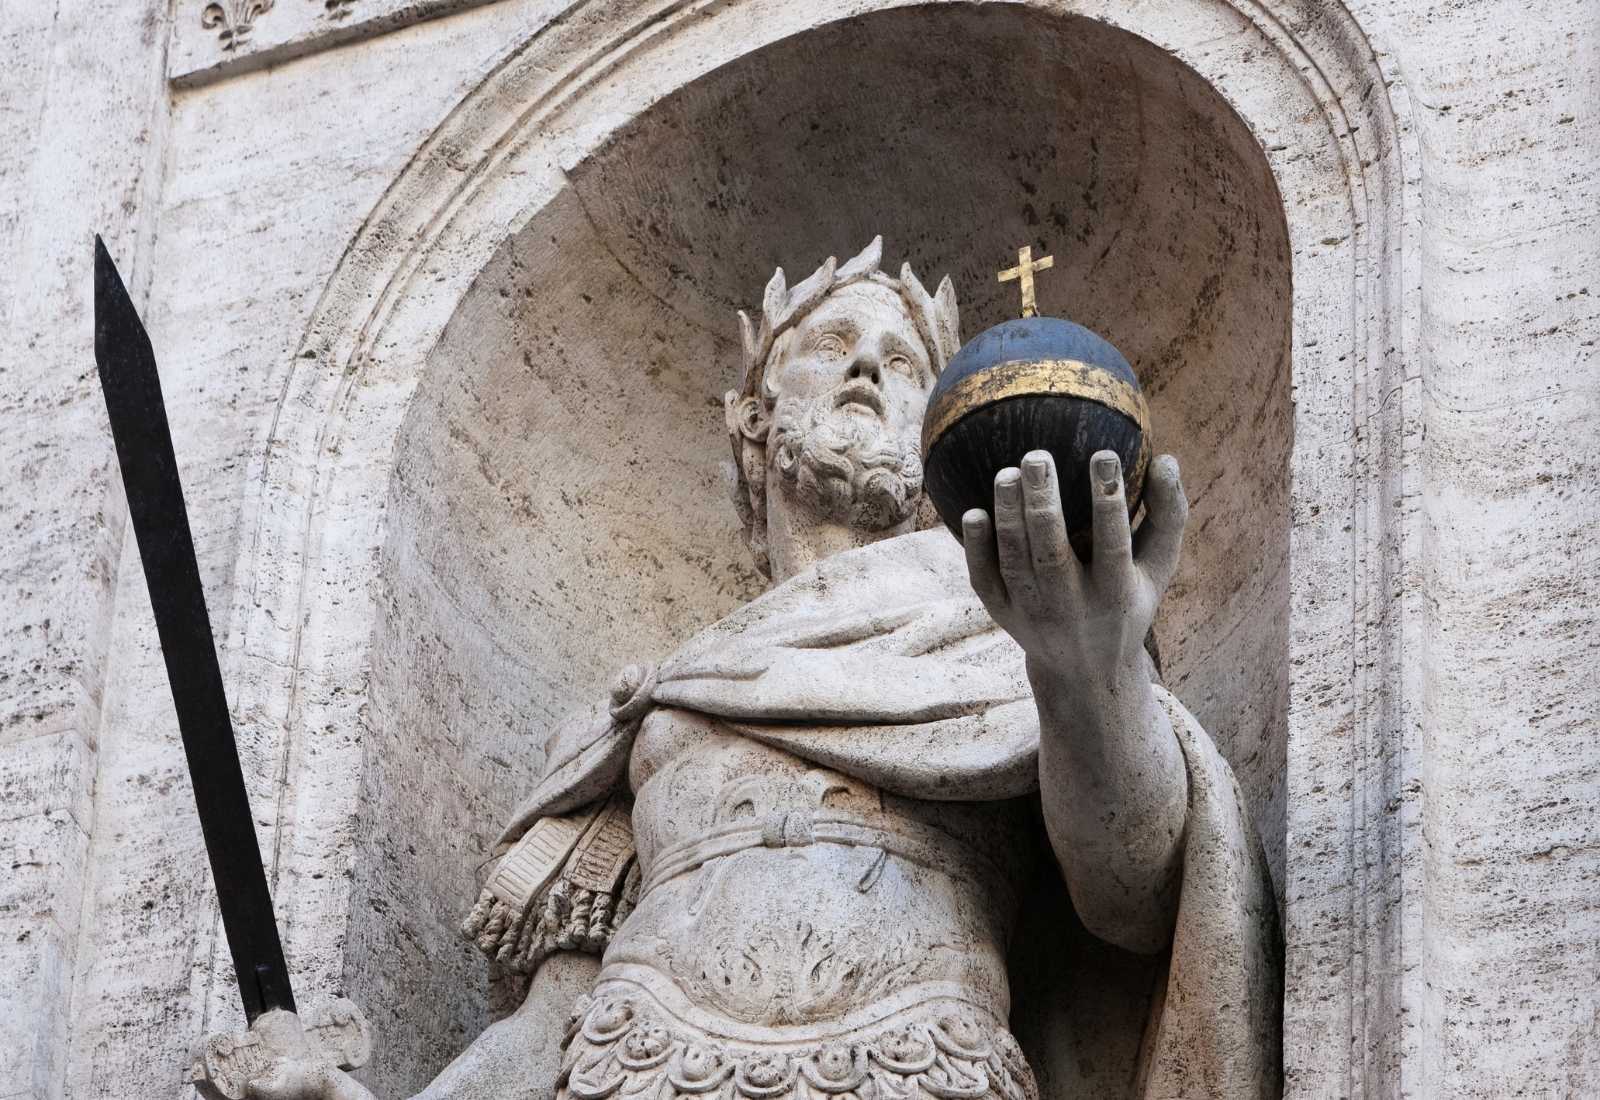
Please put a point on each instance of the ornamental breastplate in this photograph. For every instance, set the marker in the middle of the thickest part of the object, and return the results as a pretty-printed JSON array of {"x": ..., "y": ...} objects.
[{"x": 776, "y": 894}]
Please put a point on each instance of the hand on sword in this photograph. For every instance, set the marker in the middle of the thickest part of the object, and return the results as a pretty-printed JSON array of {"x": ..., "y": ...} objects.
[{"x": 296, "y": 1071}]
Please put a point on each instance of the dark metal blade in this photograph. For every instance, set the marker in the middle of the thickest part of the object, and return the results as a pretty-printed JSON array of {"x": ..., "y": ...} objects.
[{"x": 160, "y": 523}]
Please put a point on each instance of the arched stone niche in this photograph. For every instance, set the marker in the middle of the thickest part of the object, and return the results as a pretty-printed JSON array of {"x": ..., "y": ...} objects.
[
  {"x": 557, "y": 508},
  {"x": 506, "y": 478}
]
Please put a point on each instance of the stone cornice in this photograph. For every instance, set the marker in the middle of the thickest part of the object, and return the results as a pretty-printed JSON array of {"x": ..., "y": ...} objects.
[{"x": 216, "y": 39}]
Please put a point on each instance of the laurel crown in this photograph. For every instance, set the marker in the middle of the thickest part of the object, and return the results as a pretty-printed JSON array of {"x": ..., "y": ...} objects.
[{"x": 783, "y": 307}]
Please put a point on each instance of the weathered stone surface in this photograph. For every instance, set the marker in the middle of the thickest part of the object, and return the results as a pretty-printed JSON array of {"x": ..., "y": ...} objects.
[
  {"x": 81, "y": 141},
  {"x": 1435, "y": 166}
]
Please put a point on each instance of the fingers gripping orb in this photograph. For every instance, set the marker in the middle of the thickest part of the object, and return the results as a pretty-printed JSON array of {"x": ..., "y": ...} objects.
[{"x": 1035, "y": 383}]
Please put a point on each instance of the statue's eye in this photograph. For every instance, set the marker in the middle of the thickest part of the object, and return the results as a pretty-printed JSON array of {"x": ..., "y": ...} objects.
[
  {"x": 902, "y": 364},
  {"x": 830, "y": 345}
]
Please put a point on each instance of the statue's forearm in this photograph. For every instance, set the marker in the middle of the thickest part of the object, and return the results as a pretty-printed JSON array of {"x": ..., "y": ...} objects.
[{"x": 1115, "y": 794}]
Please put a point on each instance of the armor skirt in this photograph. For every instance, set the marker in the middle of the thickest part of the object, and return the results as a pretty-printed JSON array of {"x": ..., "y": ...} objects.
[{"x": 623, "y": 1044}]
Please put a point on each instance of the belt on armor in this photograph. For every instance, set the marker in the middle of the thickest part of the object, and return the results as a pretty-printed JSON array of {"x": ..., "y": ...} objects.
[{"x": 910, "y": 840}]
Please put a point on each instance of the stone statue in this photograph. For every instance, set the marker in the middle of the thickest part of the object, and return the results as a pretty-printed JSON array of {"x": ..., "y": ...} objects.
[{"x": 917, "y": 824}]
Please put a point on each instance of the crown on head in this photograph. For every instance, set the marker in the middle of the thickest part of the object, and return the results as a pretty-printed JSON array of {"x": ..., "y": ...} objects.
[{"x": 783, "y": 307}]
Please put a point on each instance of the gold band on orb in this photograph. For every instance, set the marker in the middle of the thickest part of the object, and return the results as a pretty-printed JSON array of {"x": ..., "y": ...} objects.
[{"x": 1031, "y": 377}]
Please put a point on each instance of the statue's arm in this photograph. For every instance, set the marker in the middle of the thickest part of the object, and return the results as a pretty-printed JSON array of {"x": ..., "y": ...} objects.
[{"x": 1111, "y": 772}]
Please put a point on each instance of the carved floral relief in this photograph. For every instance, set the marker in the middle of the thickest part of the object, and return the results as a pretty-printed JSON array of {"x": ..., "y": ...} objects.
[{"x": 236, "y": 18}]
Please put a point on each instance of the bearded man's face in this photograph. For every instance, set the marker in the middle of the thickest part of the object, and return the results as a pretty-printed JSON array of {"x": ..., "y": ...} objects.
[{"x": 852, "y": 381}]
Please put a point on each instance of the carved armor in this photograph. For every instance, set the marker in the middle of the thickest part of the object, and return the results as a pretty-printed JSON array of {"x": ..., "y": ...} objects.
[{"x": 624, "y": 1043}]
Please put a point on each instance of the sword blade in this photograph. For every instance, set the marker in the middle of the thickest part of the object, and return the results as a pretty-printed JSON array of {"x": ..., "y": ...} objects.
[{"x": 132, "y": 390}]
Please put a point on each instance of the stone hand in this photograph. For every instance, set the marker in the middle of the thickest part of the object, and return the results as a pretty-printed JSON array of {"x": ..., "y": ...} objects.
[
  {"x": 281, "y": 1058},
  {"x": 291, "y": 1078},
  {"x": 1081, "y": 626},
  {"x": 1112, "y": 778},
  {"x": 305, "y": 1079},
  {"x": 297, "y": 1070}
]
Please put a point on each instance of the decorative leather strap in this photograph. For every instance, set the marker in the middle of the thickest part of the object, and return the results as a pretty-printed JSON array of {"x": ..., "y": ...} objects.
[{"x": 921, "y": 844}]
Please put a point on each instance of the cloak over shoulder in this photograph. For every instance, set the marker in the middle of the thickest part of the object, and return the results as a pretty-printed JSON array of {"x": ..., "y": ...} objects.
[{"x": 880, "y": 663}]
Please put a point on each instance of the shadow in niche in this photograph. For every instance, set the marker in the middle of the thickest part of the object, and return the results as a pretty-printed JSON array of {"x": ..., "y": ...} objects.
[{"x": 557, "y": 507}]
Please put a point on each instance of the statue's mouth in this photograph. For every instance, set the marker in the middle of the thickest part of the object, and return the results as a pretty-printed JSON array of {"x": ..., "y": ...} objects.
[{"x": 860, "y": 393}]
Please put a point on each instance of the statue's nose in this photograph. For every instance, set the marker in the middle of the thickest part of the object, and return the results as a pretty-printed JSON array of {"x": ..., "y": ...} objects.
[{"x": 866, "y": 367}]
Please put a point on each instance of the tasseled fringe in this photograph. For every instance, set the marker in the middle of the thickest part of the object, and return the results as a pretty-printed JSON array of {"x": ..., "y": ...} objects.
[{"x": 569, "y": 919}]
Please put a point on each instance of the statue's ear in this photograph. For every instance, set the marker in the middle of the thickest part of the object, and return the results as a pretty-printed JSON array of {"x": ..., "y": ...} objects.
[{"x": 747, "y": 416}]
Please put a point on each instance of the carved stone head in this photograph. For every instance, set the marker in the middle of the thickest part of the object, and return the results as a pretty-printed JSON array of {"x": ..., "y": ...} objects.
[{"x": 836, "y": 380}]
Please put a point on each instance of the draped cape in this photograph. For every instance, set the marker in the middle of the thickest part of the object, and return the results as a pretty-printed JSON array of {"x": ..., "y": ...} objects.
[{"x": 881, "y": 664}]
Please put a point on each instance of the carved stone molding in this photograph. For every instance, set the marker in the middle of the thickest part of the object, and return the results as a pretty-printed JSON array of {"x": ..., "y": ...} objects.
[
  {"x": 1328, "y": 108},
  {"x": 224, "y": 38}
]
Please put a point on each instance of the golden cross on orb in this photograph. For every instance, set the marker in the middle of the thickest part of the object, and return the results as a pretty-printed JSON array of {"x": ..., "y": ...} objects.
[{"x": 1026, "y": 266}]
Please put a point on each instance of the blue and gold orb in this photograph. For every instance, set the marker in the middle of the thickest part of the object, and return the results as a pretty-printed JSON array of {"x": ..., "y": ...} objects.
[{"x": 1034, "y": 383}]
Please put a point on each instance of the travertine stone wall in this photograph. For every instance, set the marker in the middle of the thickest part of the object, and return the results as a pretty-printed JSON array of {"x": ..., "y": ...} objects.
[
  {"x": 82, "y": 147},
  {"x": 107, "y": 935},
  {"x": 303, "y": 208},
  {"x": 1500, "y": 912}
]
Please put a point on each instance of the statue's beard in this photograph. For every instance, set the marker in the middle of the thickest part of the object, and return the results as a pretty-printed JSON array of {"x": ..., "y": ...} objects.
[{"x": 842, "y": 465}]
